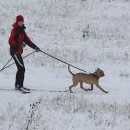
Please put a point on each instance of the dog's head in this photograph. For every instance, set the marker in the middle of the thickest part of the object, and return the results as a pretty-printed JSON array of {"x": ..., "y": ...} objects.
[{"x": 99, "y": 73}]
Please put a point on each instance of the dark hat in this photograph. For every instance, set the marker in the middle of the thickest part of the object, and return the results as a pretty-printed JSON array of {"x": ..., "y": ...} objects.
[{"x": 19, "y": 18}]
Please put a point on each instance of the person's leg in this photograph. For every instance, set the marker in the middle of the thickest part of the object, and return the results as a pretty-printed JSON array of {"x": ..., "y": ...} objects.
[{"x": 21, "y": 70}]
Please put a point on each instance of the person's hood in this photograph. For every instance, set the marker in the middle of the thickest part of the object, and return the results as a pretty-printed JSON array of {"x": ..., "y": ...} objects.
[{"x": 15, "y": 26}]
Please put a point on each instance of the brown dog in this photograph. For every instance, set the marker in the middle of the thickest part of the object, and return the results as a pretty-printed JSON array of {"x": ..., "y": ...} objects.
[{"x": 92, "y": 79}]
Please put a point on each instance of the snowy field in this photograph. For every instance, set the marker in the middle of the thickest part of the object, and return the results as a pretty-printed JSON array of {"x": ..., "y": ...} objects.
[{"x": 56, "y": 26}]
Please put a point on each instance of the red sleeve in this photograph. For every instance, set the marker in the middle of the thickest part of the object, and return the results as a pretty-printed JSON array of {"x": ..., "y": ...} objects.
[
  {"x": 27, "y": 39},
  {"x": 12, "y": 38},
  {"x": 29, "y": 42}
]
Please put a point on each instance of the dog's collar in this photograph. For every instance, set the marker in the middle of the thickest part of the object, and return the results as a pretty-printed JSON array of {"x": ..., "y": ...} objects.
[{"x": 95, "y": 75}]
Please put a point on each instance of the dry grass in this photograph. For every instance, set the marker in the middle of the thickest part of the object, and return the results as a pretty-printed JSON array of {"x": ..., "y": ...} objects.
[{"x": 45, "y": 110}]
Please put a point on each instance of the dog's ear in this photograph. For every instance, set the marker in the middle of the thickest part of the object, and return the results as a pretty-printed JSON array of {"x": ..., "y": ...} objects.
[{"x": 97, "y": 69}]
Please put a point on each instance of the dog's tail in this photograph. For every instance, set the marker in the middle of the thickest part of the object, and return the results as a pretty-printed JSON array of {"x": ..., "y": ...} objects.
[{"x": 69, "y": 69}]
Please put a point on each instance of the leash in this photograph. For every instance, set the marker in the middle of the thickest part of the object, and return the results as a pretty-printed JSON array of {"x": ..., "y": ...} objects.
[
  {"x": 5, "y": 66},
  {"x": 62, "y": 61}
]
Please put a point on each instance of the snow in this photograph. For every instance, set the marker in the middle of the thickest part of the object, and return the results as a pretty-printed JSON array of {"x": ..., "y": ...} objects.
[{"x": 56, "y": 27}]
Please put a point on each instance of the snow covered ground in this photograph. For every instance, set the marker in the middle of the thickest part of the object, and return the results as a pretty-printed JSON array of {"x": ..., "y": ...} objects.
[{"x": 56, "y": 26}]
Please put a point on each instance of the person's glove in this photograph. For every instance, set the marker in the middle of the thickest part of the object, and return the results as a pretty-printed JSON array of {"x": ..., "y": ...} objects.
[
  {"x": 24, "y": 44},
  {"x": 37, "y": 49},
  {"x": 16, "y": 46},
  {"x": 14, "y": 49}
]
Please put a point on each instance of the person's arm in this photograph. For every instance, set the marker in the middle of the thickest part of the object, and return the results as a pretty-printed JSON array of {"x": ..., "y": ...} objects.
[
  {"x": 12, "y": 40},
  {"x": 30, "y": 43},
  {"x": 13, "y": 43}
]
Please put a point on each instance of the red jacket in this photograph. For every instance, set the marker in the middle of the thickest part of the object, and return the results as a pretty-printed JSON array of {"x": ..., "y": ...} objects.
[{"x": 19, "y": 38}]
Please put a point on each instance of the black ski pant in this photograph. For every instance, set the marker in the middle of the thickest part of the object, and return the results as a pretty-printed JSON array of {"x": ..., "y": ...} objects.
[{"x": 21, "y": 70}]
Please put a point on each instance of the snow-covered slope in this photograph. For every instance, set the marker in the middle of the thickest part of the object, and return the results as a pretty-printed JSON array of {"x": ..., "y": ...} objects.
[{"x": 56, "y": 26}]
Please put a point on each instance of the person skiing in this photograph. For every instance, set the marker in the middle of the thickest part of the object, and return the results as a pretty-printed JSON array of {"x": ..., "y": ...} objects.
[{"x": 18, "y": 38}]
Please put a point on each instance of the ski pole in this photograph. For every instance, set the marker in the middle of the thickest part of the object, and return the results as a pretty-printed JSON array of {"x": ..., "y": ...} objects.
[
  {"x": 14, "y": 62},
  {"x": 5, "y": 64},
  {"x": 62, "y": 61}
]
